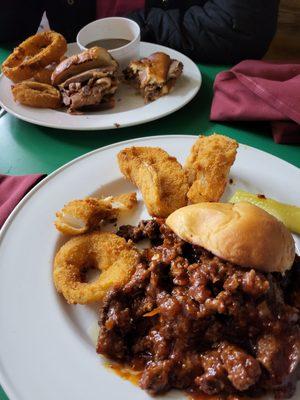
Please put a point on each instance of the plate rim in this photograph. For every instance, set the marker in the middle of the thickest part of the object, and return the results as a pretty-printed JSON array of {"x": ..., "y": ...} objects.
[
  {"x": 115, "y": 125},
  {"x": 4, "y": 380}
]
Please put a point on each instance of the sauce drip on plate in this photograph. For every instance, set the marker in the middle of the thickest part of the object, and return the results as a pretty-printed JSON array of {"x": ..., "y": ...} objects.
[
  {"x": 203, "y": 396},
  {"x": 126, "y": 373}
]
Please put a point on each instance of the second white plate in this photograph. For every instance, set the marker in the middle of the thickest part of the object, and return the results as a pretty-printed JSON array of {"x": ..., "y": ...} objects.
[
  {"x": 130, "y": 108},
  {"x": 46, "y": 347}
]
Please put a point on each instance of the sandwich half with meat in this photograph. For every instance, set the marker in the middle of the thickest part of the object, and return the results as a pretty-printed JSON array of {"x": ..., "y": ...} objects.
[
  {"x": 87, "y": 80},
  {"x": 154, "y": 76}
]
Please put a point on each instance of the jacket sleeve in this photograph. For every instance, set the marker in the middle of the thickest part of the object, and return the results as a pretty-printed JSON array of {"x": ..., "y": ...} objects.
[
  {"x": 19, "y": 19},
  {"x": 218, "y": 31}
]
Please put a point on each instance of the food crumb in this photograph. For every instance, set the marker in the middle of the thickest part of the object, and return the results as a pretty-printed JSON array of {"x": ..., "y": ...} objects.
[
  {"x": 117, "y": 125},
  {"x": 261, "y": 196},
  {"x": 230, "y": 181}
]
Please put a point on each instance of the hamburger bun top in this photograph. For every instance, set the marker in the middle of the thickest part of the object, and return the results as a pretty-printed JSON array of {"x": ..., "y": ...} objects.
[
  {"x": 240, "y": 233},
  {"x": 92, "y": 58}
]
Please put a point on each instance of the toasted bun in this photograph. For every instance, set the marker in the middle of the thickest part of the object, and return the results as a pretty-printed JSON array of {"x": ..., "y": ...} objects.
[
  {"x": 156, "y": 65},
  {"x": 95, "y": 57},
  {"x": 240, "y": 233}
]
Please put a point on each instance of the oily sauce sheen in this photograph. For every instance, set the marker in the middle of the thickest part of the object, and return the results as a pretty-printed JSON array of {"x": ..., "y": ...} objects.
[
  {"x": 133, "y": 376},
  {"x": 108, "y": 44},
  {"x": 189, "y": 320}
]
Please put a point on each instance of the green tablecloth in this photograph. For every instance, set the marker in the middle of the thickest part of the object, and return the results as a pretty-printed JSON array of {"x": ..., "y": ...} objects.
[{"x": 27, "y": 148}]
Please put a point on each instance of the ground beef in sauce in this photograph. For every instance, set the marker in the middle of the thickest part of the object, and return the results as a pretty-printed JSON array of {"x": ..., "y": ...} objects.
[{"x": 192, "y": 321}]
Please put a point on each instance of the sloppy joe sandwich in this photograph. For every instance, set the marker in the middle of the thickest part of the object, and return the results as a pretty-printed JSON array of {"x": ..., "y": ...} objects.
[
  {"x": 154, "y": 76},
  {"x": 212, "y": 307},
  {"x": 240, "y": 233},
  {"x": 87, "y": 80}
]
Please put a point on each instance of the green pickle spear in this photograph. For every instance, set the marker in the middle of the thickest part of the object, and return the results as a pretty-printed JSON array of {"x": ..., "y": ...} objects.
[{"x": 288, "y": 214}]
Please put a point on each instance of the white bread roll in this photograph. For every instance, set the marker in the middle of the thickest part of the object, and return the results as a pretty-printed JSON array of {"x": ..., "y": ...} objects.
[{"x": 240, "y": 233}]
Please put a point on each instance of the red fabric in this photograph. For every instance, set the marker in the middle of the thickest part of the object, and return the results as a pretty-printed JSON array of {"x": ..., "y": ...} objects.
[
  {"x": 12, "y": 190},
  {"x": 286, "y": 132},
  {"x": 110, "y": 8},
  {"x": 259, "y": 91}
]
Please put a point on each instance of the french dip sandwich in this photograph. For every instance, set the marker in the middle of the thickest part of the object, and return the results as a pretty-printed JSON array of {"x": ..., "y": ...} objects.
[
  {"x": 154, "y": 76},
  {"x": 87, "y": 80}
]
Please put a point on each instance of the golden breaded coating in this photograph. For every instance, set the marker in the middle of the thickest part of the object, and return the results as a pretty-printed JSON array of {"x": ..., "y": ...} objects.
[
  {"x": 111, "y": 254},
  {"x": 79, "y": 216},
  {"x": 125, "y": 201},
  {"x": 160, "y": 178},
  {"x": 208, "y": 167},
  {"x": 83, "y": 215}
]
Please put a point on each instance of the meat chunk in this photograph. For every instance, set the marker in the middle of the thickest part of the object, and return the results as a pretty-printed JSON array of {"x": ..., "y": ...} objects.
[
  {"x": 214, "y": 378},
  {"x": 144, "y": 230},
  {"x": 156, "y": 377},
  {"x": 243, "y": 370},
  {"x": 279, "y": 355},
  {"x": 90, "y": 88},
  {"x": 228, "y": 363}
]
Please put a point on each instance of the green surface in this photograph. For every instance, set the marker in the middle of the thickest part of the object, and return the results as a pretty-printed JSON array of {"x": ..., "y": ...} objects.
[
  {"x": 27, "y": 148},
  {"x": 2, "y": 394}
]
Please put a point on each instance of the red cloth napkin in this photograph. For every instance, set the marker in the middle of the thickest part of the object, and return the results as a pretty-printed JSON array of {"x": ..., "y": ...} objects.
[
  {"x": 260, "y": 91},
  {"x": 12, "y": 190},
  {"x": 110, "y": 8}
]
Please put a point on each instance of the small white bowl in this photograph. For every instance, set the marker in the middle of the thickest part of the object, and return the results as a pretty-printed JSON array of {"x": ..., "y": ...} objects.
[{"x": 113, "y": 28}]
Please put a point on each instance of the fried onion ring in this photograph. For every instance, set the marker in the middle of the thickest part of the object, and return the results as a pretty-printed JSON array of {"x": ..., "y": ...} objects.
[
  {"x": 35, "y": 94},
  {"x": 34, "y": 53},
  {"x": 111, "y": 254},
  {"x": 43, "y": 75},
  {"x": 81, "y": 216}
]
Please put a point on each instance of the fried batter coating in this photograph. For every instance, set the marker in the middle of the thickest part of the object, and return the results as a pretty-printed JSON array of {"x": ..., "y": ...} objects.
[
  {"x": 125, "y": 201},
  {"x": 160, "y": 178},
  {"x": 80, "y": 216},
  {"x": 43, "y": 75},
  {"x": 35, "y": 52},
  {"x": 36, "y": 94},
  {"x": 111, "y": 254},
  {"x": 208, "y": 167}
]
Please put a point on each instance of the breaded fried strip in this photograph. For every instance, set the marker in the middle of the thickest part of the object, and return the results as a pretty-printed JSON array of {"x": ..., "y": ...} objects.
[
  {"x": 124, "y": 201},
  {"x": 160, "y": 178},
  {"x": 208, "y": 167},
  {"x": 83, "y": 215}
]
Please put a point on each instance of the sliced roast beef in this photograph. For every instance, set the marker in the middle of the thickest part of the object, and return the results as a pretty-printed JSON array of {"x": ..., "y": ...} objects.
[
  {"x": 91, "y": 88},
  {"x": 154, "y": 76}
]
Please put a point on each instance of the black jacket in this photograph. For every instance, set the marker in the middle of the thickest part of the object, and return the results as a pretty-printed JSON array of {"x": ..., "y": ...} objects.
[{"x": 216, "y": 31}]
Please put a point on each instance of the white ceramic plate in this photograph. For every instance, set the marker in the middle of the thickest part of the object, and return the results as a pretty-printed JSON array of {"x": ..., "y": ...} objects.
[
  {"x": 130, "y": 108},
  {"x": 46, "y": 346}
]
